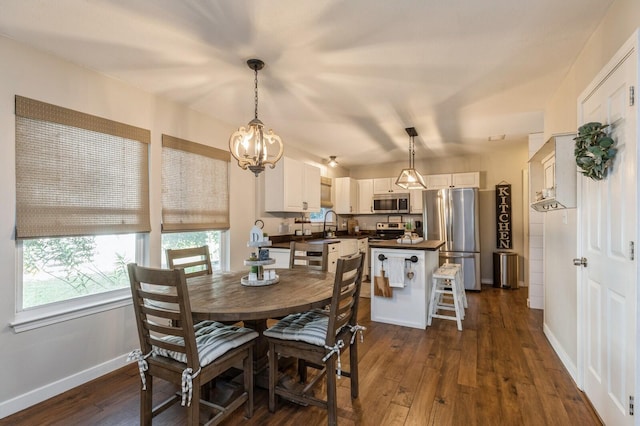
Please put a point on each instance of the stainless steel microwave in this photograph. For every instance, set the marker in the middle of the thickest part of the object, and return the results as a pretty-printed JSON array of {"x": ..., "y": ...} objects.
[{"x": 393, "y": 202}]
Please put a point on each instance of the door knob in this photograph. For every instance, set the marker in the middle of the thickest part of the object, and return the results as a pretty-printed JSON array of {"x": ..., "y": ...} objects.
[{"x": 580, "y": 261}]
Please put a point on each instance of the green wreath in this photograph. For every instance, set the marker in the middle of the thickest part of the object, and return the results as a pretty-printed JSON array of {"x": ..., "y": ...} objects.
[{"x": 594, "y": 150}]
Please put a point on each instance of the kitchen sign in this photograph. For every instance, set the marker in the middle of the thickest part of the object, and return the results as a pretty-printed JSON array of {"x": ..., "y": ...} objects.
[{"x": 503, "y": 216}]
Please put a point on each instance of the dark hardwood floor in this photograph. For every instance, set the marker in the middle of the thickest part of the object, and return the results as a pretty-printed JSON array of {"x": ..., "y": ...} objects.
[{"x": 500, "y": 370}]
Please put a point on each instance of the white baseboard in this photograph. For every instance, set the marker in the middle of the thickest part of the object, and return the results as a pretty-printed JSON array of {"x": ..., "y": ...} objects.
[
  {"x": 43, "y": 393},
  {"x": 564, "y": 357}
]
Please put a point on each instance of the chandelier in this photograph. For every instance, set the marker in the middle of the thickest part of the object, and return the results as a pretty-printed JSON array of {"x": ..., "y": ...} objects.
[
  {"x": 252, "y": 146},
  {"x": 410, "y": 178}
]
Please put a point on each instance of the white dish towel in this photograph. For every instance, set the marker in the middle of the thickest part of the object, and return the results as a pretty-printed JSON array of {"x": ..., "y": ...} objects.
[{"x": 395, "y": 271}]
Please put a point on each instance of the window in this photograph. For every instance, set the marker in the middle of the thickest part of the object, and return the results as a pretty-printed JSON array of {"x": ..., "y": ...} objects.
[
  {"x": 58, "y": 269},
  {"x": 195, "y": 186},
  {"x": 178, "y": 240},
  {"x": 319, "y": 216},
  {"x": 82, "y": 197},
  {"x": 195, "y": 197}
]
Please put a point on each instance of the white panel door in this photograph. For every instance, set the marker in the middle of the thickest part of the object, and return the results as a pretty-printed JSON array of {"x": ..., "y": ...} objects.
[{"x": 607, "y": 230}]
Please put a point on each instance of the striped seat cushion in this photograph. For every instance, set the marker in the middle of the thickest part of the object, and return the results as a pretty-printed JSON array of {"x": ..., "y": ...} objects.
[
  {"x": 309, "y": 327},
  {"x": 213, "y": 340}
]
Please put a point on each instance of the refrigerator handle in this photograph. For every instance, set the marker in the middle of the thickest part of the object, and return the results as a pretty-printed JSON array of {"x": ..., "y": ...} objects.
[
  {"x": 444, "y": 221},
  {"x": 450, "y": 236}
]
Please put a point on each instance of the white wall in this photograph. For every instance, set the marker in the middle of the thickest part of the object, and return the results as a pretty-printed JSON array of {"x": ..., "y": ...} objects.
[
  {"x": 39, "y": 363},
  {"x": 560, "y": 321}
]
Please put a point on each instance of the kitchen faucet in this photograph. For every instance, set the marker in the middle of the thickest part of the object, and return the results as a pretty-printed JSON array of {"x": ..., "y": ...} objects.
[{"x": 324, "y": 225}]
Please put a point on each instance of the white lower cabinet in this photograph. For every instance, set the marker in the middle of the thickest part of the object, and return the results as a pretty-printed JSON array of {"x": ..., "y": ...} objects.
[
  {"x": 281, "y": 256},
  {"x": 334, "y": 254},
  {"x": 363, "y": 247},
  {"x": 348, "y": 246}
]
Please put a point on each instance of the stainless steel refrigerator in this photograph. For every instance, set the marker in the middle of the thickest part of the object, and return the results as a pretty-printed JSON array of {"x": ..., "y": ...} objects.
[{"x": 452, "y": 215}]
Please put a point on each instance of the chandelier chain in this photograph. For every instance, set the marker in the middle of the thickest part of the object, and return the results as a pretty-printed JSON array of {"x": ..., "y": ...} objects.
[
  {"x": 412, "y": 152},
  {"x": 255, "y": 81}
]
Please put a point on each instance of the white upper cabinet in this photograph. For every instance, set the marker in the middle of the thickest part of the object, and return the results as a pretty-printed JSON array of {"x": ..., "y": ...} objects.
[
  {"x": 311, "y": 197},
  {"x": 415, "y": 201},
  {"x": 385, "y": 185},
  {"x": 346, "y": 195},
  {"x": 466, "y": 180},
  {"x": 365, "y": 196},
  {"x": 453, "y": 180},
  {"x": 553, "y": 175},
  {"x": 438, "y": 181},
  {"x": 293, "y": 186}
]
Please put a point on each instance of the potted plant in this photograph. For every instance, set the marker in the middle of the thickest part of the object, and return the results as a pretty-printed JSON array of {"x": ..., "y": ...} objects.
[{"x": 594, "y": 150}]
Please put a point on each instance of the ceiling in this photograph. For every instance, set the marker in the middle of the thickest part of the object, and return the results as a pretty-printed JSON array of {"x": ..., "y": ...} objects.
[{"x": 342, "y": 78}]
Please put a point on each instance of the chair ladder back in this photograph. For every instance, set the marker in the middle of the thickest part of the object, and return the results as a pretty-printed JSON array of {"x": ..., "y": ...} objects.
[
  {"x": 195, "y": 261},
  {"x": 299, "y": 260},
  {"x": 162, "y": 309},
  {"x": 346, "y": 292}
]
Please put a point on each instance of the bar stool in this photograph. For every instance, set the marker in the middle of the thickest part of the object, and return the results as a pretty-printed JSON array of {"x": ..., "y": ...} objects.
[
  {"x": 460, "y": 277},
  {"x": 447, "y": 283}
]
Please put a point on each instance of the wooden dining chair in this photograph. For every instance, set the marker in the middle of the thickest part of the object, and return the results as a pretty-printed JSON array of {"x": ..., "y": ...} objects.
[
  {"x": 195, "y": 261},
  {"x": 317, "y": 337},
  {"x": 172, "y": 348},
  {"x": 300, "y": 256}
]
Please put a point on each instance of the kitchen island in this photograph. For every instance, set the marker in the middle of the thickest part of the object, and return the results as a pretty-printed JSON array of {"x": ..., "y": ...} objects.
[{"x": 408, "y": 269}]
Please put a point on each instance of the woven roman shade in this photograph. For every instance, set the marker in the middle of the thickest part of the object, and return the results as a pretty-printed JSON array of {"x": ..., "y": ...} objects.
[
  {"x": 195, "y": 186},
  {"x": 78, "y": 174}
]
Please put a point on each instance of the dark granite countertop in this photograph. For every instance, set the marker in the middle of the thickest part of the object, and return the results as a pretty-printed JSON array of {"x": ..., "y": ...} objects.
[{"x": 284, "y": 241}]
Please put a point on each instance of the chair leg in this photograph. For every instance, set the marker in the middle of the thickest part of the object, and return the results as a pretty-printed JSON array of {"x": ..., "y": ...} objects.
[
  {"x": 247, "y": 366},
  {"x": 193, "y": 410},
  {"x": 353, "y": 361},
  {"x": 302, "y": 370},
  {"x": 457, "y": 307},
  {"x": 332, "y": 400},
  {"x": 273, "y": 376},
  {"x": 146, "y": 402},
  {"x": 432, "y": 302}
]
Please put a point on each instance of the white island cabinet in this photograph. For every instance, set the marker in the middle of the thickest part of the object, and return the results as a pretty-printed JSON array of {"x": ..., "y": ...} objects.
[{"x": 410, "y": 284}]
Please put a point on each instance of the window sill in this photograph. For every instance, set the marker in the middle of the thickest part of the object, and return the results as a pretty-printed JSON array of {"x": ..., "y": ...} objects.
[{"x": 55, "y": 313}]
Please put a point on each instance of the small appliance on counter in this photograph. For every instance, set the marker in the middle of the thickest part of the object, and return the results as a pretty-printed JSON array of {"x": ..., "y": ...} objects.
[
  {"x": 352, "y": 224},
  {"x": 418, "y": 228}
]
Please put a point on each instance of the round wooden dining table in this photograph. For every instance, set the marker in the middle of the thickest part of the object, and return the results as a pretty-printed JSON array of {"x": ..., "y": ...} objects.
[{"x": 221, "y": 297}]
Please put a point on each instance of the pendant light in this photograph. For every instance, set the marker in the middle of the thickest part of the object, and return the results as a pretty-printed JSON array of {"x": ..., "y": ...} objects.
[
  {"x": 252, "y": 146},
  {"x": 409, "y": 178}
]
